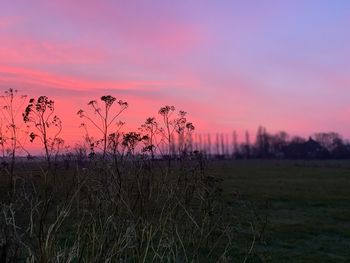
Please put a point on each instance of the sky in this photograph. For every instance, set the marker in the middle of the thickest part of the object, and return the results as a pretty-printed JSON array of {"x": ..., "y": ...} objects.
[{"x": 232, "y": 65}]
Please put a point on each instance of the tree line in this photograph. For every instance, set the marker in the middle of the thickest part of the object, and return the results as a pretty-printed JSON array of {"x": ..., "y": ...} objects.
[{"x": 322, "y": 145}]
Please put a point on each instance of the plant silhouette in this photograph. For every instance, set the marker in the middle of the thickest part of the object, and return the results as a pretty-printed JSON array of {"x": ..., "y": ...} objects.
[
  {"x": 48, "y": 126},
  {"x": 12, "y": 139},
  {"x": 103, "y": 117}
]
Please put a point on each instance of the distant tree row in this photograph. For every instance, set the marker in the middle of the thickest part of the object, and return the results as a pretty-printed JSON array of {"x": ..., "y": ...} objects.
[{"x": 325, "y": 145}]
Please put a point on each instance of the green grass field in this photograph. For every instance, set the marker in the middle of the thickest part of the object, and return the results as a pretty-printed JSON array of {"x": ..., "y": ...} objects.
[{"x": 307, "y": 204}]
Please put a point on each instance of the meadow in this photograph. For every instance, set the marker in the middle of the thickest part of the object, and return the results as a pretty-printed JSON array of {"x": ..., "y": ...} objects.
[
  {"x": 140, "y": 210},
  {"x": 306, "y": 203}
]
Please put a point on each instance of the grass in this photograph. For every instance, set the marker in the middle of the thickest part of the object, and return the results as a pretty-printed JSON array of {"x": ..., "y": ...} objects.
[
  {"x": 307, "y": 205},
  {"x": 268, "y": 211},
  {"x": 152, "y": 213}
]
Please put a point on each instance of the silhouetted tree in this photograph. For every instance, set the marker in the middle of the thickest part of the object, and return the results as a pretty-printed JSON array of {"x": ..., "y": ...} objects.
[
  {"x": 314, "y": 150},
  {"x": 247, "y": 146},
  {"x": 299, "y": 148},
  {"x": 200, "y": 143},
  {"x": 217, "y": 144},
  {"x": 234, "y": 145},
  {"x": 262, "y": 143},
  {"x": 206, "y": 145},
  {"x": 339, "y": 149},
  {"x": 327, "y": 140},
  {"x": 222, "y": 145},
  {"x": 210, "y": 150},
  {"x": 277, "y": 144}
]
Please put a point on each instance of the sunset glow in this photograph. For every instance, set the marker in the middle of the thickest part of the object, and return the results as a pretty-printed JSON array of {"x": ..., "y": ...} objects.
[{"x": 232, "y": 65}]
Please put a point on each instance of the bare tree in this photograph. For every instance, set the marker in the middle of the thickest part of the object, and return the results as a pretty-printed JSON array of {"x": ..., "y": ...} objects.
[
  {"x": 234, "y": 144},
  {"x": 217, "y": 144},
  {"x": 247, "y": 145},
  {"x": 222, "y": 144},
  {"x": 327, "y": 139},
  {"x": 209, "y": 145}
]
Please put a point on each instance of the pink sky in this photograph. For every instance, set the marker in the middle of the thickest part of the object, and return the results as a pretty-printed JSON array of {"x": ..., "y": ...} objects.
[{"x": 231, "y": 65}]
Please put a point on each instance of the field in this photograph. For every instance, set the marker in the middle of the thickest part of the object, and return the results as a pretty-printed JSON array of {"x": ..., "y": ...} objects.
[
  {"x": 268, "y": 211},
  {"x": 307, "y": 204}
]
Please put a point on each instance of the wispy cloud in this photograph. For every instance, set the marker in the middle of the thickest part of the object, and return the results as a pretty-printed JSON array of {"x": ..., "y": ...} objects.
[{"x": 74, "y": 84}]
